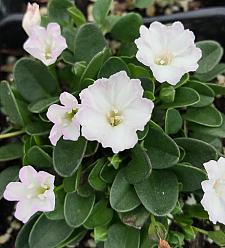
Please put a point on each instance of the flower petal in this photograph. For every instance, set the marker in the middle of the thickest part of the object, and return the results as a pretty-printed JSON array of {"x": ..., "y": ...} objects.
[
  {"x": 55, "y": 134},
  {"x": 56, "y": 113},
  {"x": 68, "y": 100},
  {"x": 15, "y": 191},
  {"x": 27, "y": 175}
]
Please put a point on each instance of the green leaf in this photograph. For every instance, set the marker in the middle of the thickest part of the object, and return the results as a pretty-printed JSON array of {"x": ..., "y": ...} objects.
[
  {"x": 212, "y": 131},
  {"x": 218, "y": 237},
  {"x": 209, "y": 76},
  {"x": 164, "y": 153},
  {"x": 69, "y": 183},
  {"x": 38, "y": 157},
  {"x": 57, "y": 11},
  {"x": 101, "y": 215},
  {"x": 77, "y": 16},
  {"x": 10, "y": 174},
  {"x": 48, "y": 233},
  {"x": 100, "y": 10},
  {"x": 127, "y": 28},
  {"x": 141, "y": 4},
  {"x": 205, "y": 92},
  {"x": 139, "y": 168},
  {"x": 184, "y": 97},
  {"x": 108, "y": 173},
  {"x": 121, "y": 236},
  {"x": 77, "y": 209},
  {"x": 75, "y": 238},
  {"x": 122, "y": 195},
  {"x": 94, "y": 177},
  {"x": 22, "y": 239},
  {"x": 212, "y": 53},
  {"x": 206, "y": 116},
  {"x": 33, "y": 80},
  {"x": 136, "y": 218},
  {"x": 100, "y": 234},
  {"x": 159, "y": 193},
  {"x": 173, "y": 121},
  {"x": 197, "y": 152},
  {"x": 14, "y": 108},
  {"x": 112, "y": 66},
  {"x": 67, "y": 156},
  {"x": 42, "y": 105},
  {"x": 218, "y": 89},
  {"x": 38, "y": 128},
  {"x": 190, "y": 177},
  {"x": 89, "y": 41},
  {"x": 95, "y": 64},
  {"x": 139, "y": 71},
  {"x": 184, "y": 80},
  {"x": 11, "y": 151}
]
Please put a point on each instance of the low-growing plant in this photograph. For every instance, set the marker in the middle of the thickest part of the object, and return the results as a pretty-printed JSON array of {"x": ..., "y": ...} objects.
[{"x": 113, "y": 130}]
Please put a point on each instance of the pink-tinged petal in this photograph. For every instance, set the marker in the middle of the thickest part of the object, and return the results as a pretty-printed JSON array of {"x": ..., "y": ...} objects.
[
  {"x": 55, "y": 134},
  {"x": 68, "y": 100},
  {"x": 46, "y": 204},
  {"x": 71, "y": 132},
  {"x": 123, "y": 90},
  {"x": 120, "y": 138},
  {"x": 24, "y": 210},
  {"x": 138, "y": 113},
  {"x": 212, "y": 169},
  {"x": 207, "y": 185},
  {"x": 170, "y": 74},
  {"x": 189, "y": 59},
  {"x": 45, "y": 178},
  {"x": 27, "y": 175},
  {"x": 31, "y": 18},
  {"x": 54, "y": 29},
  {"x": 96, "y": 96},
  {"x": 56, "y": 113},
  {"x": 94, "y": 124},
  {"x": 15, "y": 191}
]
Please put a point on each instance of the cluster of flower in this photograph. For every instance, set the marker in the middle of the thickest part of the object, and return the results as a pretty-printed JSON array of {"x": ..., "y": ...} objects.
[{"x": 112, "y": 109}]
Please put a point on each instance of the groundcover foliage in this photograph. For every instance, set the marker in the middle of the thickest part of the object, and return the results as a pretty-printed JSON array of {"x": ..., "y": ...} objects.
[{"x": 136, "y": 197}]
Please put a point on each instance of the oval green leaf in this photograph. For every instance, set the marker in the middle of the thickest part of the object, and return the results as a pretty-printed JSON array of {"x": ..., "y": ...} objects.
[
  {"x": 164, "y": 153},
  {"x": 123, "y": 197},
  {"x": 159, "y": 193},
  {"x": 77, "y": 209},
  {"x": 68, "y": 155},
  {"x": 139, "y": 168},
  {"x": 48, "y": 233}
]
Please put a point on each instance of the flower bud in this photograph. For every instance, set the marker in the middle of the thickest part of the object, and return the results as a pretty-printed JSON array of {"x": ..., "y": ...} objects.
[
  {"x": 31, "y": 18},
  {"x": 167, "y": 94}
]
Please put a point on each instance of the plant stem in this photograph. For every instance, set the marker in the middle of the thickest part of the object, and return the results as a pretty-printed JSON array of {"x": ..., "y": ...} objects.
[
  {"x": 200, "y": 230},
  {"x": 12, "y": 134}
]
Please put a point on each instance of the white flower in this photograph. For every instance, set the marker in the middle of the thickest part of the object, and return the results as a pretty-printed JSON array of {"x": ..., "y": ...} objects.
[
  {"x": 46, "y": 44},
  {"x": 213, "y": 200},
  {"x": 112, "y": 110},
  {"x": 32, "y": 18},
  {"x": 64, "y": 118},
  {"x": 34, "y": 193},
  {"x": 169, "y": 51}
]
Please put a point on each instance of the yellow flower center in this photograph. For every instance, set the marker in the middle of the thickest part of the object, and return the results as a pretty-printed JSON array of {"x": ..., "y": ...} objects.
[
  {"x": 42, "y": 189},
  {"x": 114, "y": 117},
  {"x": 164, "y": 59}
]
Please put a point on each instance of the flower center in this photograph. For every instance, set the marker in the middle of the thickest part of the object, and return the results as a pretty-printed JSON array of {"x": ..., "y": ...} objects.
[
  {"x": 67, "y": 118},
  {"x": 114, "y": 117},
  {"x": 164, "y": 59},
  {"x": 37, "y": 191},
  {"x": 219, "y": 186},
  {"x": 42, "y": 189}
]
